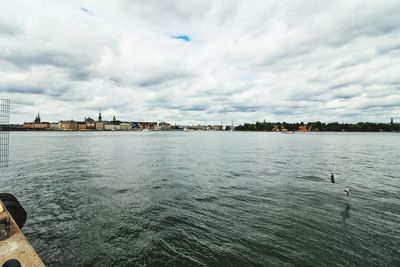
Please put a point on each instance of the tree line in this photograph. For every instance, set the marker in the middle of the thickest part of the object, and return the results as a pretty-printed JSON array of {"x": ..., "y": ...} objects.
[{"x": 321, "y": 126}]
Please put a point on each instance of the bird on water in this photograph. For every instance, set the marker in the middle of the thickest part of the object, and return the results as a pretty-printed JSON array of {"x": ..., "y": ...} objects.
[{"x": 347, "y": 191}]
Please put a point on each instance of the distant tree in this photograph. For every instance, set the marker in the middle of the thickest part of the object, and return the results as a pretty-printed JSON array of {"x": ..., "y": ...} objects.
[{"x": 321, "y": 126}]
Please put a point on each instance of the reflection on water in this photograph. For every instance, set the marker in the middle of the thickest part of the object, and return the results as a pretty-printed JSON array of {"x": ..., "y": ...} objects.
[{"x": 208, "y": 198}]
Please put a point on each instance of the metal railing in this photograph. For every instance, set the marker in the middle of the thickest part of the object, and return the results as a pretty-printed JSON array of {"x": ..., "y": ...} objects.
[{"x": 4, "y": 133}]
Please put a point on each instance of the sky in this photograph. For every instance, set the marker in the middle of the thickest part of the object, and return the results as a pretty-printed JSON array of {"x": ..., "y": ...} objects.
[{"x": 200, "y": 61}]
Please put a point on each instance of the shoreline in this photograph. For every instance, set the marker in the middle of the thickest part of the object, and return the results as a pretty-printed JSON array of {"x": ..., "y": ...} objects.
[{"x": 124, "y": 131}]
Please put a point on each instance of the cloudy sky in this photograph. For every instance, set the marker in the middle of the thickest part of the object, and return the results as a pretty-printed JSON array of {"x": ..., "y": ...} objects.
[{"x": 199, "y": 61}]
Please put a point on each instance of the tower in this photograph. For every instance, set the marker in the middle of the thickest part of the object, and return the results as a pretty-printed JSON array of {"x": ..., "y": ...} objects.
[
  {"x": 37, "y": 119},
  {"x": 100, "y": 119},
  {"x": 391, "y": 120}
]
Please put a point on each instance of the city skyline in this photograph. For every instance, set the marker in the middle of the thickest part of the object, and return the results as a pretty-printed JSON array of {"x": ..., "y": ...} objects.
[
  {"x": 100, "y": 124},
  {"x": 100, "y": 117},
  {"x": 200, "y": 61}
]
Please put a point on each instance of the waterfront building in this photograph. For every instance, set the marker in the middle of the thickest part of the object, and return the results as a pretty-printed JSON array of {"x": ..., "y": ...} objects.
[
  {"x": 53, "y": 126},
  {"x": 37, "y": 124},
  {"x": 99, "y": 125},
  {"x": 135, "y": 125},
  {"x": 108, "y": 126},
  {"x": 90, "y": 124},
  {"x": 196, "y": 127},
  {"x": 149, "y": 125},
  {"x": 68, "y": 125},
  {"x": 126, "y": 126},
  {"x": 305, "y": 128},
  {"x": 82, "y": 126},
  {"x": 165, "y": 126},
  {"x": 218, "y": 127}
]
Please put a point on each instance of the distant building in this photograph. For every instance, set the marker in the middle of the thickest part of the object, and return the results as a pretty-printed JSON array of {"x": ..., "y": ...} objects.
[
  {"x": 149, "y": 125},
  {"x": 305, "y": 128},
  {"x": 165, "y": 126},
  {"x": 218, "y": 127},
  {"x": 54, "y": 126},
  {"x": 68, "y": 125},
  {"x": 100, "y": 118},
  {"x": 37, "y": 119},
  {"x": 82, "y": 126},
  {"x": 36, "y": 124},
  {"x": 111, "y": 127},
  {"x": 99, "y": 125},
  {"x": 135, "y": 125},
  {"x": 195, "y": 127},
  {"x": 90, "y": 124},
  {"x": 115, "y": 121},
  {"x": 391, "y": 120},
  {"x": 126, "y": 126}
]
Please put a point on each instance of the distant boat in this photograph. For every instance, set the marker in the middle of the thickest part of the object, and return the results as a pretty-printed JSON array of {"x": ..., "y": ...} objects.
[{"x": 146, "y": 130}]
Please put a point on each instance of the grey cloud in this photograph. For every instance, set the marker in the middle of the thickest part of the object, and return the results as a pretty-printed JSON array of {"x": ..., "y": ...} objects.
[
  {"x": 340, "y": 85},
  {"x": 236, "y": 109},
  {"x": 8, "y": 29},
  {"x": 54, "y": 58},
  {"x": 390, "y": 48},
  {"x": 384, "y": 107},
  {"x": 16, "y": 90},
  {"x": 195, "y": 108},
  {"x": 161, "y": 79}
]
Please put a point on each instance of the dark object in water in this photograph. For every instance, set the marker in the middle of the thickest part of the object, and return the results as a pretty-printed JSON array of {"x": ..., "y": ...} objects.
[
  {"x": 347, "y": 191},
  {"x": 332, "y": 178},
  {"x": 14, "y": 208},
  {"x": 12, "y": 263}
]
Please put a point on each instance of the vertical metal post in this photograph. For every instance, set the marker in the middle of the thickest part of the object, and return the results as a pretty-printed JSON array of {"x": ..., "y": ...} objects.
[{"x": 4, "y": 131}]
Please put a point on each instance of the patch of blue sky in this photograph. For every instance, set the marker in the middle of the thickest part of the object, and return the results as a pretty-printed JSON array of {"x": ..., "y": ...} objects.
[{"x": 185, "y": 38}]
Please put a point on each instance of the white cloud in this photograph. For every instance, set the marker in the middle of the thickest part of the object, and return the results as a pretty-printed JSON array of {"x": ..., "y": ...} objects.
[{"x": 245, "y": 61}]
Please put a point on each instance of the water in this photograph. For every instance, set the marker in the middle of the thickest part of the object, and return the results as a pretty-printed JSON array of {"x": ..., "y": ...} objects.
[{"x": 208, "y": 198}]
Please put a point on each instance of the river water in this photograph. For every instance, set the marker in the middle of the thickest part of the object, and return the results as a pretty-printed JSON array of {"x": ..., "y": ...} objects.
[{"x": 208, "y": 198}]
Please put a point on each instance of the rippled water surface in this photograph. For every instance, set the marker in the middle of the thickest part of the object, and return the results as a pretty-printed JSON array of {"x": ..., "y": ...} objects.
[{"x": 208, "y": 198}]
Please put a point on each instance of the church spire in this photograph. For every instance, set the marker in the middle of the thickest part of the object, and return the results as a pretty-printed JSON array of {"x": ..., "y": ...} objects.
[
  {"x": 37, "y": 119},
  {"x": 100, "y": 119}
]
